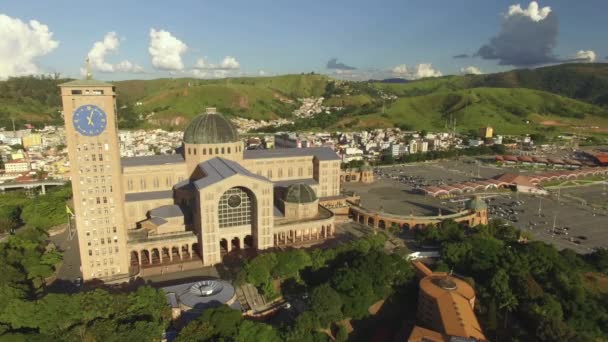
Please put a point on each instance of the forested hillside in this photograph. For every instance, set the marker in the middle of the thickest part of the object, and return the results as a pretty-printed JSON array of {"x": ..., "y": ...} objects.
[{"x": 538, "y": 100}]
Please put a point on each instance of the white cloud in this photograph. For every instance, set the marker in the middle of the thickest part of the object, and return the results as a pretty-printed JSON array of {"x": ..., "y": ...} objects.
[
  {"x": 400, "y": 69},
  {"x": 198, "y": 73},
  {"x": 470, "y": 70},
  {"x": 110, "y": 44},
  {"x": 200, "y": 64},
  {"x": 166, "y": 50},
  {"x": 228, "y": 67},
  {"x": 230, "y": 63},
  {"x": 527, "y": 37},
  {"x": 421, "y": 70},
  {"x": 20, "y": 44},
  {"x": 126, "y": 66},
  {"x": 533, "y": 12},
  {"x": 584, "y": 56}
]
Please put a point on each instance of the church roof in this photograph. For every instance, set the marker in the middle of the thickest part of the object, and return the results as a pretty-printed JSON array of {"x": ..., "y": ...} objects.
[
  {"x": 148, "y": 196},
  {"x": 210, "y": 128},
  {"x": 300, "y": 193},
  {"x": 167, "y": 211},
  {"x": 86, "y": 83},
  {"x": 322, "y": 153},
  {"x": 217, "y": 169},
  {"x": 161, "y": 159}
]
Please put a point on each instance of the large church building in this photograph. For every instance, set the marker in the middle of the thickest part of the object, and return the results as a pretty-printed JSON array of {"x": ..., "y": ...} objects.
[{"x": 191, "y": 207}]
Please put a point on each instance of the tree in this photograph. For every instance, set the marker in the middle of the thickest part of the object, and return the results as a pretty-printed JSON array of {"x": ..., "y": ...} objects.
[
  {"x": 289, "y": 263},
  {"x": 326, "y": 304},
  {"x": 342, "y": 333},
  {"x": 456, "y": 253},
  {"x": 356, "y": 291}
]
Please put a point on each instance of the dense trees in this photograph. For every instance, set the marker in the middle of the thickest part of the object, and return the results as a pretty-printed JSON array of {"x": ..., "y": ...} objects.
[
  {"x": 534, "y": 290},
  {"x": 44, "y": 211},
  {"x": 342, "y": 282},
  {"x": 226, "y": 324},
  {"x": 28, "y": 313}
]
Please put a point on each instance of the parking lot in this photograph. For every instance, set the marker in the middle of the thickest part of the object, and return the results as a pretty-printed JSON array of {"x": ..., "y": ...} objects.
[
  {"x": 565, "y": 223},
  {"x": 580, "y": 213}
]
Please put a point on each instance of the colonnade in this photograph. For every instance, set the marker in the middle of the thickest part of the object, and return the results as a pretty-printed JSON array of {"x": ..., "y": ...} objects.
[
  {"x": 163, "y": 254},
  {"x": 294, "y": 236}
]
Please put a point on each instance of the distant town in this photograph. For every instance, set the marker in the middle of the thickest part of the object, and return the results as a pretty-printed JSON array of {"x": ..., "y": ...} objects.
[{"x": 29, "y": 153}]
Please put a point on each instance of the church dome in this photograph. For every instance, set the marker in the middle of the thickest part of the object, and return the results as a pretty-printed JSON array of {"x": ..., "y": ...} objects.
[
  {"x": 210, "y": 128},
  {"x": 477, "y": 204},
  {"x": 300, "y": 193}
]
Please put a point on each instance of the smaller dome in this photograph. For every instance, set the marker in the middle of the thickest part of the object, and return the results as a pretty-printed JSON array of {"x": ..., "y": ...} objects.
[
  {"x": 210, "y": 128},
  {"x": 300, "y": 193},
  {"x": 477, "y": 204}
]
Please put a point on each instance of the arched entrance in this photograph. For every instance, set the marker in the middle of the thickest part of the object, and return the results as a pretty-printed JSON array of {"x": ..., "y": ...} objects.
[
  {"x": 166, "y": 256},
  {"x": 382, "y": 224},
  {"x": 175, "y": 253},
  {"x": 370, "y": 221},
  {"x": 155, "y": 257},
  {"x": 248, "y": 242},
  {"x": 236, "y": 243},
  {"x": 185, "y": 251},
  {"x": 195, "y": 250},
  {"x": 145, "y": 257},
  {"x": 134, "y": 258},
  {"x": 223, "y": 246}
]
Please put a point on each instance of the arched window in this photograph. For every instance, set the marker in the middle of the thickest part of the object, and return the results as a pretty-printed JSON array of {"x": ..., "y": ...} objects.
[
  {"x": 188, "y": 150},
  {"x": 228, "y": 150},
  {"x": 194, "y": 150},
  {"x": 217, "y": 150},
  {"x": 204, "y": 151},
  {"x": 222, "y": 150},
  {"x": 210, "y": 151},
  {"x": 235, "y": 208}
]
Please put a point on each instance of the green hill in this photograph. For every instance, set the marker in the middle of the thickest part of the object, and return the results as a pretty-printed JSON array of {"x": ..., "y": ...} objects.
[
  {"x": 509, "y": 111},
  {"x": 582, "y": 81},
  {"x": 569, "y": 97}
]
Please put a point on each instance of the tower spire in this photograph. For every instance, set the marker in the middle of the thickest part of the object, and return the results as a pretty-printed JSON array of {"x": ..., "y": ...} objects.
[{"x": 88, "y": 66}]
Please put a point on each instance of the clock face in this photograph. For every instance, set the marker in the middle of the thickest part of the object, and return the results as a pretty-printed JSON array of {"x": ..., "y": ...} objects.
[{"x": 89, "y": 120}]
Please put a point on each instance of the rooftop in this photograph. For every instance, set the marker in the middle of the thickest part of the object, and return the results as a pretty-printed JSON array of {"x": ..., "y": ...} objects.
[
  {"x": 300, "y": 193},
  {"x": 210, "y": 128},
  {"x": 453, "y": 298},
  {"x": 322, "y": 153},
  {"x": 167, "y": 211},
  {"x": 217, "y": 169},
  {"x": 148, "y": 196},
  {"x": 161, "y": 159},
  {"x": 86, "y": 83}
]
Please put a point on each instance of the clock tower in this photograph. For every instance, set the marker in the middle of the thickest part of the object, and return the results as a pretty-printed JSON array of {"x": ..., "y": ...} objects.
[{"x": 89, "y": 110}]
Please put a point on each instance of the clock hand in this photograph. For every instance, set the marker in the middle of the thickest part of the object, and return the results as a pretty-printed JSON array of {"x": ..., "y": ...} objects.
[{"x": 90, "y": 119}]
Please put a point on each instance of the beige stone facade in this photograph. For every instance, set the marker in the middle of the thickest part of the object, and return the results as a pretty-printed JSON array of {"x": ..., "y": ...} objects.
[{"x": 170, "y": 211}]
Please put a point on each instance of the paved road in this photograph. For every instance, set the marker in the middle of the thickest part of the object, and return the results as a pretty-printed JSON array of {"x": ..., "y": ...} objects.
[{"x": 70, "y": 268}]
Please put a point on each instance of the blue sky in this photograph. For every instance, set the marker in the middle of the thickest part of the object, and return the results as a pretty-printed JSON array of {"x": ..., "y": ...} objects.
[{"x": 279, "y": 37}]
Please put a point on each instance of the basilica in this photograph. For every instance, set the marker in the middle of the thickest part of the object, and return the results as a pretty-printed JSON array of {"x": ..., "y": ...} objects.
[
  {"x": 214, "y": 196},
  {"x": 188, "y": 209}
]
